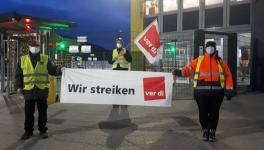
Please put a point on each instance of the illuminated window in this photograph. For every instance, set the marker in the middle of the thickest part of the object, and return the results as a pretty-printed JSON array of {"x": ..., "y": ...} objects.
[
  {"x": 170, "y": 5},
  {"x": 213, "y": 2},
  {"x": 190, "y": 3},
  {"x": 152, "y": 7}
]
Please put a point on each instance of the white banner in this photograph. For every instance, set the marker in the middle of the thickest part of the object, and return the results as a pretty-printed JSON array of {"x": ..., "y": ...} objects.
[{"x": 116, "y": 87}]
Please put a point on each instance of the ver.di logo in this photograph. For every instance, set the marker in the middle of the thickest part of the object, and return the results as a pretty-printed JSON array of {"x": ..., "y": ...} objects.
[{"x": 154, "y": 88}]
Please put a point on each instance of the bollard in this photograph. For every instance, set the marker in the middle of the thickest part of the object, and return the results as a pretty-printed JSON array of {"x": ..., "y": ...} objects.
[{"x": 52, "y": 91}]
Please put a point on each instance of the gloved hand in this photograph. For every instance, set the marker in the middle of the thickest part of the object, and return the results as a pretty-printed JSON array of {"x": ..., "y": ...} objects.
[
  {"x": 19, "y": 91},
  {"x": 229, "y": 94},
  {"x": 177, "y": 72},
  {"x": 114, "y": 59},
  {"x": 121, "y": 53},
  {"x": 62, "y": 69}
]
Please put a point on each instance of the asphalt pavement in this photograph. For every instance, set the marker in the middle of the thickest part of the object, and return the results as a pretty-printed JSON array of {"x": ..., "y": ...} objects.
[{"x": 100, "y": 127}]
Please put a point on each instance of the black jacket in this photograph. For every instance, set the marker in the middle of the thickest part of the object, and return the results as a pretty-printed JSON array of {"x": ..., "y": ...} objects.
[
  {"x": 35, "y": 93},
  {"x": 127, "y": 56}
]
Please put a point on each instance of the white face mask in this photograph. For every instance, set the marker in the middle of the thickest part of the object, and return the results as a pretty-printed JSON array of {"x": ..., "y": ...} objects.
[
  {"x": 34, "y": 50},
  {"x": 210, "y": 50},
  {"x": 118, "y": 45}
]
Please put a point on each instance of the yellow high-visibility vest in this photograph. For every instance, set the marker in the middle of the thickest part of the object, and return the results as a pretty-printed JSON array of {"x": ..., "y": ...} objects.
[
  {"x": 37, "y": 76},
  {"x": 121, "y": 60},
  {"x": 197, "y": 71}
]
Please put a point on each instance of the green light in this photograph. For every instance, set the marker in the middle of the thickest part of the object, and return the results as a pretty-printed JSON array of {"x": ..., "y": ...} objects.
[
  {"x": 62, "y": 45},
  {"x": 59, "y": 25},
  {"x": 44, "y": 28},
  {"x": 172, "y": 48}
]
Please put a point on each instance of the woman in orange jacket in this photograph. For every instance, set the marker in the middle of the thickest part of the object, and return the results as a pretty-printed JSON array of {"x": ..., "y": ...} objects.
[{"x": 212, "y": 80}]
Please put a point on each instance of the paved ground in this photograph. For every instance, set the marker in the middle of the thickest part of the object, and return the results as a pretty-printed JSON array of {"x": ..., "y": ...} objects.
[{"x": 98, "y": 127}]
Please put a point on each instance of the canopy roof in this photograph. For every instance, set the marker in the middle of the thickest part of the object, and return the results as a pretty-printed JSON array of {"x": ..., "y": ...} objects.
[{"x": 19, "y": 22}]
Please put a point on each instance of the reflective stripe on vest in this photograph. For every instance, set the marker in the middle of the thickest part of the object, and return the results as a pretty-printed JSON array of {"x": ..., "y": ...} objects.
[
  {"x": 121, "y": 60},
  {"x": 36, "y": 82},
  {"x": 203, "y": 74},
  {"x": 220, "y": 73},
  {"x": 208, "y": 87},
  {"x": 37, "y": 76},
  {"x": 229, "y": 88}
]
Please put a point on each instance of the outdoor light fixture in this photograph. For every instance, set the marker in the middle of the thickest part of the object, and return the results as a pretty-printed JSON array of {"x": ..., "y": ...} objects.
[
  {"x": 44, "y": 28},
  {"x": 28, "y": 28},
  {"x": 28, "y": 20},
  {"x": 60, "y": 25},
  {"x": 172, "y": 48},
  {"x": 49, "y": 43},
  {"x": 62, "y": 45}
]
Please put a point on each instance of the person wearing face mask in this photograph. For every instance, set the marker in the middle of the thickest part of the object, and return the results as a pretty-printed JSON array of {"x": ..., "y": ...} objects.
[
  {"x": 32, "y": 81},
  {"x": 120, "y": 58},
  {"x": 212, "y": 80}
]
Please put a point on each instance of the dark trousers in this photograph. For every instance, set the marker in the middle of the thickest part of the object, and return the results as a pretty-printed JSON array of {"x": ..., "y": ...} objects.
[
  {"x": 118, "y": 68},
  {"x": 117, "y": 106},
  {"x": 209, "y": 107},
  {"x": 29, "y": 115}
]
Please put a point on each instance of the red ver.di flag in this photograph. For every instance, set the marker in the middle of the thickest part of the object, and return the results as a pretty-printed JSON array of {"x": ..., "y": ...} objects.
[{"x": 148, "y": 41}]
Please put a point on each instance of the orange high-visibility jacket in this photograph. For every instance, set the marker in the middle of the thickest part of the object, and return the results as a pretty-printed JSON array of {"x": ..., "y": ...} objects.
[{"x": 209, "y": 72}]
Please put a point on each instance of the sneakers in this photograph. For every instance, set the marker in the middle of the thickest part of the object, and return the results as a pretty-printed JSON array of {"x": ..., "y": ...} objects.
[
  {"x": 212, "y": 136},
  {"x": 43, "y": 135},
  {"x": 205, "y": 135},
  {"x": 209, "y": 135},
  {"x": 26, "y": 136}
]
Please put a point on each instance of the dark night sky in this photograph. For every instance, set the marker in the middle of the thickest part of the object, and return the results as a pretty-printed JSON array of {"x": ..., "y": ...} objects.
[{"x": 100, "y": 20}]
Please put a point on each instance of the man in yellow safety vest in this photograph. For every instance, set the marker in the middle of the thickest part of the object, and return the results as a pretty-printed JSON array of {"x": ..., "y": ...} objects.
[{"x": 32, "y": 81}]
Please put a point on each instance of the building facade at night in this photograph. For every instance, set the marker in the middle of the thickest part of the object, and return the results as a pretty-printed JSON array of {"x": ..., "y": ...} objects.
[{"x": 179, "y": 19}]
